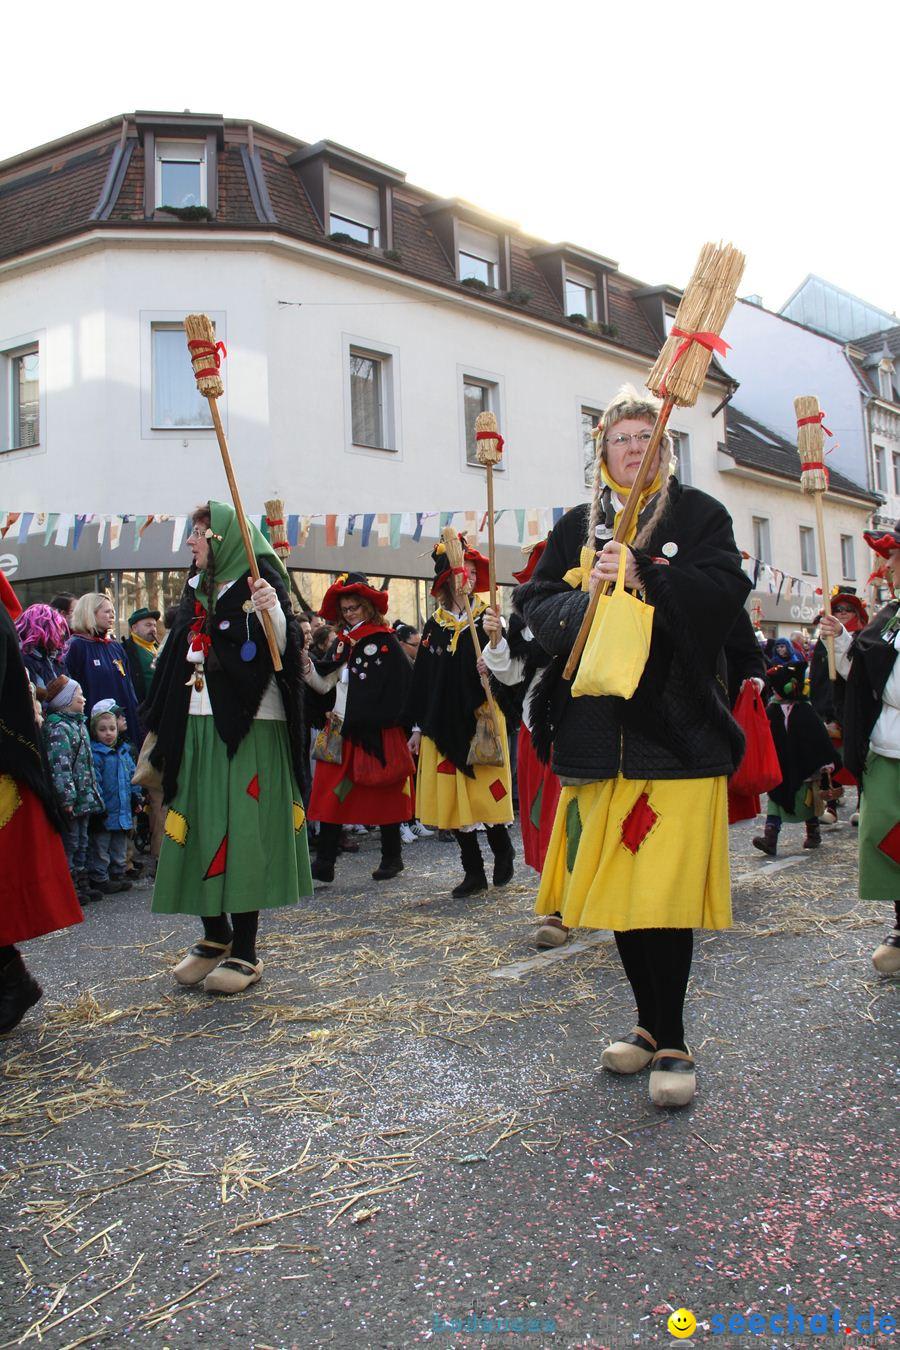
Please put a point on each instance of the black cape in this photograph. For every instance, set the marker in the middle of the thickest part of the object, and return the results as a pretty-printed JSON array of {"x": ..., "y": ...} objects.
[
  {"x": 803, "y": 747},
  {"x": 873, "y": 655},
  {"x": 446, "y": 690},
  {"x": 236, "y": 687}
]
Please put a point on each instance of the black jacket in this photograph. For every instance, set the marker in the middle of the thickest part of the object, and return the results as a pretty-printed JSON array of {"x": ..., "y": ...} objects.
[
  {"x": 446, "y": 690},
  {"x": 873, "y": 654},
  {"x": 677, "y": 724}
]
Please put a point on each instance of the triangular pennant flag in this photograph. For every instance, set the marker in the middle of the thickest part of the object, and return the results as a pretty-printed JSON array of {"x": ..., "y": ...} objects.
[
  {"x": 140, "y": 524},
  {"x": 396, "y": 522},
  {"x": 80, "y": 522},
  {"x": 420, "y": 521},
  {"x": 368, "y": 522},
  {"x": 50, "y": 524},
  {"x": 304, "y": 530},
  {"x": 558, "y": 513},
  {"x": 178, "y": 527},
  {"x": 25, "y": 525},
  {"x": 38, "y": 522},
  {"x": 293, "y": 530},
  {"x": 66, "y": 521},
  {"x": 351, "y": 523},
  {"x": 471, "y": 529},
  {"x": 520, "y": 523},
  {"x": 383, "y": 529},
  {"x": 115, "y": 531},
  {"x": 331, "y": 531},
  {"x": 11, "y": 519},
  {"x": 447, "y": 518}
]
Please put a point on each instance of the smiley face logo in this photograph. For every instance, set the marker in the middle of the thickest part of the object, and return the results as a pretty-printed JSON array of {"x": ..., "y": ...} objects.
[{"x": 682, "y": 1323}]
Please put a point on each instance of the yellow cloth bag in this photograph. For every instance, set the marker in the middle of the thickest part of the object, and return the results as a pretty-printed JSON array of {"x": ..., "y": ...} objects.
[{"x": 618, "y": 644}]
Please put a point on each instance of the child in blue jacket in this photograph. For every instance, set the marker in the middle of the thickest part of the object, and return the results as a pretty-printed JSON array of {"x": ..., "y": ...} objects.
[{"x": 113, "y": 767}]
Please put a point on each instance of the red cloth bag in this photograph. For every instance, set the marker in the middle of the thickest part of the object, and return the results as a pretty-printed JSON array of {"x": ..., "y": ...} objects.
[{"x": 759, "y": 770}]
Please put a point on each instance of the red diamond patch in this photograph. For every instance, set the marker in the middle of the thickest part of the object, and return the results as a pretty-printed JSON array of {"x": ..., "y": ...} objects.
[
  {"x": 498, "y": 791},
  {"x": 217, "y": 866},
  {"x": 890, "y": 844},
  {"x": 253, "y": 787},
  {"x": 446, "y": 766},
  {"x": 638, "y": 823}
]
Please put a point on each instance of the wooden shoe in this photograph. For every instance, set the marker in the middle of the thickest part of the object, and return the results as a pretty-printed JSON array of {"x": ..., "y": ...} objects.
[
  {"x": 673, "y": 1079},
  {"x": 232, "y": 976},
  {"x": 551, "y": 933},
  {"x": 200, "y": 960},
  {"x": 631, "y": 1053},
  {"x": 886, "y": 957}
]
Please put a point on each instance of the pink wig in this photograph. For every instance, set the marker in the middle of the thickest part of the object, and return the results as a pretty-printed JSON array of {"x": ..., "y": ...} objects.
[{"x": 43, "y": 628}]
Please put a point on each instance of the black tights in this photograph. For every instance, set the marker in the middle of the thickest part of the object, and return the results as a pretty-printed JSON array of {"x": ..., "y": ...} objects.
[
  {"x": 657, "y": 962},
  {"x": 240, "y": 932},
  {"x": 330, "y": 842}
]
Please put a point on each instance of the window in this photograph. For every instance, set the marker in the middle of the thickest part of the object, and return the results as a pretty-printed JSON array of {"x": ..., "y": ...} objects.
[
  {"x": 590, "y": 421},
  {"x": 479, "y": 395},
  {"x": 581, "y": 293},
  {"x": 181, "y": 173},
  {"x": 354, "y": 209},
  {"x": 24, "y": 398},
  {"x": 807, "y": 550},
  {"x": 176, "y": 400},
  {"x": 896, "y": 465},
  {"x": 848, "y": 557},
  {"x": 880, "y": 469},
  {"x": 761, "y": 546},
  {"x": 885, "y": 381},
  {"x": 479, "y": 255},
  {"x": 370, "y": 396},
  {"x": 681, "y": 444}
]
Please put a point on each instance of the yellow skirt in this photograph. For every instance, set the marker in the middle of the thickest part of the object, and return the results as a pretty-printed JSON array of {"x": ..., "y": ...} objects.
[
  {"x": 449, "y": 799},
  {"x": 632, "y": 853}
]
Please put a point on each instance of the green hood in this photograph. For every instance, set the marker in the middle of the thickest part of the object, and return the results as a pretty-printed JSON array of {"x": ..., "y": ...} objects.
[{"x": 228, "y": 549}]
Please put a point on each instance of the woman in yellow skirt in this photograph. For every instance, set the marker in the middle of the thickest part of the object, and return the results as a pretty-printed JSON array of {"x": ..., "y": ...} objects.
[
  {"x": 446, "y": 705},
  {"x": 640, "y": 840}
]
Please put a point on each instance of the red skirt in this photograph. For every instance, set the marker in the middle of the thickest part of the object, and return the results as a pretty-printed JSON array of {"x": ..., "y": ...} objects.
[
  {"x": 742, "y": 806},
  {"x": 36, "y": 891},
  {"x": 338, "y": 800},
  {"x": 538, "y": 797}
]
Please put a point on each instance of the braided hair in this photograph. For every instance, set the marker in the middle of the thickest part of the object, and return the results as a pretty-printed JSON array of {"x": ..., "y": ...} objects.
[{"x": 202, "y": 516}]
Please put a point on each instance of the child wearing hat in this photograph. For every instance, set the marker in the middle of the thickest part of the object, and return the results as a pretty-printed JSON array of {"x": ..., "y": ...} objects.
[
  {"x": 113, "y": 767},
  {"x": 804, "y": 750},
  {"x": 72, "y": 774}
]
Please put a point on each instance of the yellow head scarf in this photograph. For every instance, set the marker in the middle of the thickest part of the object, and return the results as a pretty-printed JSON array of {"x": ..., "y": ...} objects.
[{"x": 621, "y": 492}]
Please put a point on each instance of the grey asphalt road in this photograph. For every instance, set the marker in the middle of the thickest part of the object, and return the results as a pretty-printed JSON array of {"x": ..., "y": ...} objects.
[{"x": 403, "y": 1134}]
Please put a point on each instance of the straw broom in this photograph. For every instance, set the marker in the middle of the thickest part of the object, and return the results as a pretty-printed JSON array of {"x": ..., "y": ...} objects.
[
  {"x": 677, "y": 378},
  {"x": 454, "y": 551},
  {"x": 278, "y": 537},
  {"x": 814, "y": 480},
  {"x": 488, "y": 451},
  {"x": 204, "y": 353}
]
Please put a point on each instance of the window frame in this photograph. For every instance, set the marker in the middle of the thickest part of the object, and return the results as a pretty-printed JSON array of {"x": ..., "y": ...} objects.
[
  {"x": 684, "y": 456},
  {"x": 493, "y": 383},
  {"x": 585, "y": 282},
  {"x": 762, "y": 538},
  {"x": 159, "y": 159},
  {"x": 587, "y": 408},
  {"x": 895, "y": 471},
  {"x": 339, "y": 220},
  {"x": 879, "y": 456},
  {"x": 468, "y": 239},
  {"x": 11, "y": 352},
  {"x": 808, "y": 563},
  {"x": 848, "y": 552},
  {"x": 149, "y": 319},
  {"x": 388, "y": 357}
]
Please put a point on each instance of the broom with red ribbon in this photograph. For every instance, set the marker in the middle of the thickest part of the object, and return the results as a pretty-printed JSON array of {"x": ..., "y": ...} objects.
[
  {"x": 206, "y": 357},
  {"x": 677, "y": 378},
  {"x": 455, "y": 555},
  {"x": 488, "y": 451},
  {"x": 811, "y": 433}
]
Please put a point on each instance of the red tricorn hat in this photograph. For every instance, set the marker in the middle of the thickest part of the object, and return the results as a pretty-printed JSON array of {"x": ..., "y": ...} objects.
[
  {"x": 885, "y": 543},
  {"x": 845, "y": 596},
  {"x": 8, "y": 598},
  {"x": 470, "y": 555},
  {"x": 534, "y": 557},
  {"x": 351, "y": 583}
]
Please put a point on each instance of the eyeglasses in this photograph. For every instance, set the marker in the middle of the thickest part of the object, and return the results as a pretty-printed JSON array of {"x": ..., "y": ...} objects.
[
  {"x": 642, "y": 440},
  {"x": 347, "y": 605},
  {"x": 197, "y": 533}
]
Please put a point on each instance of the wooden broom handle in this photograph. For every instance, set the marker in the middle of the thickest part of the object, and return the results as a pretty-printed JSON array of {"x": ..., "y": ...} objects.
[
  {"x": 624, "y": 525},
  {"x": 826, "y": 589},
  {"x": 485, "y": 682},
  {"x": 492, "y": 565},
  {"x": 242, "y": 522}
]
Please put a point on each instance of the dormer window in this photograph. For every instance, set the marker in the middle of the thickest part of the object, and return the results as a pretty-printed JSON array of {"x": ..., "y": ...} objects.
[
  {"x": 181, "y": 177},
  {"x": 581, "y": 293},
  {"x": 478, "y": 255},
  {"x": 354, "y": 209},
  {"x": 886, "y": 380}
]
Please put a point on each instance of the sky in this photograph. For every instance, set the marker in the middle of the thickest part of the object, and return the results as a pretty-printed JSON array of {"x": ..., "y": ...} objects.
[{"x": 638, "y": 131}]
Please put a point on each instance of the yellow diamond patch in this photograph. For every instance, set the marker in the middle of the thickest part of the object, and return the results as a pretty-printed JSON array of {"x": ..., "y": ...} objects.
[
  {"x": 299, "y": 817},
  {"x": 10, "y": 801},
  {"x": 176, "y": 826}
]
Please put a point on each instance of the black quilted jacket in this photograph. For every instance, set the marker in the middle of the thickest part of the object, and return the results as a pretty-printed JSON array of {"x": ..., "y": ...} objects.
[{"x": 677, "y": 724}]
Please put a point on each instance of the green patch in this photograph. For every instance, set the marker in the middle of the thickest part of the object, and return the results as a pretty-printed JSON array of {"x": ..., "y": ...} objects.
[
  {"x": 534, "y": 815},
  {"x": 343, "y": 789},
  {"x": 573, "y": 833}
]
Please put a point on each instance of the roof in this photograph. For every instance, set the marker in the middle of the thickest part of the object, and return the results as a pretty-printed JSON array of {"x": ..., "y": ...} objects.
[
  {"x": 94, "y": 180},
  {"x": 872, "y": 347},
  {"x": 826, "y": 308},
  {"x": 755, "y": 446}
]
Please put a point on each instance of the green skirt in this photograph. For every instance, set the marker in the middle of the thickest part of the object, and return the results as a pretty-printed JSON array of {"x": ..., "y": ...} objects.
[
  {"x": 803, "y": 808},
  {"x": 235, "y": 833},
  {"x": 879, "y": 827}
]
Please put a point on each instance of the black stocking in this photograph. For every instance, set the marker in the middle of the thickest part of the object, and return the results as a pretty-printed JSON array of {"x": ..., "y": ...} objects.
[
  {"x": 244, "y": 943},
  {"x": 216, "y": 928},
  {"x": 657, "y": 962}
]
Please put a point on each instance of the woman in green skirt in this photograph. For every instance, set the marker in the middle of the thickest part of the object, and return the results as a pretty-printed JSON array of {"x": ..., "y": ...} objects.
[
  {"x": 231, "y": 751},
  {"x": 868, "y": 662}
]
